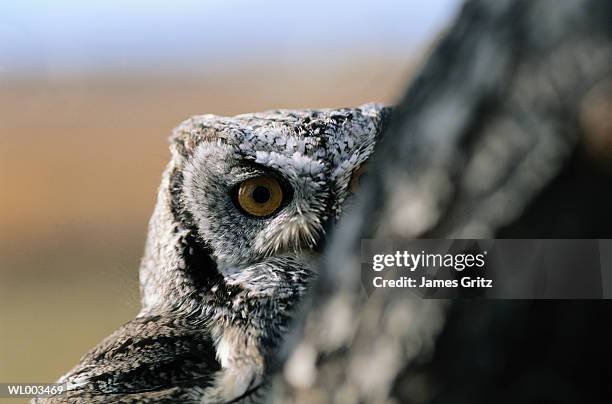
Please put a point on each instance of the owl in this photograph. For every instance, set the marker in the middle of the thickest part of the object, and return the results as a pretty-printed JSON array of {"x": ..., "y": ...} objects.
[{"x": 242, "y": 212}]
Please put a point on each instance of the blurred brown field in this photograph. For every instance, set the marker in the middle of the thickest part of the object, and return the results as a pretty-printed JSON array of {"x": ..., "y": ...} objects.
[{"x": 80, "y": 160}]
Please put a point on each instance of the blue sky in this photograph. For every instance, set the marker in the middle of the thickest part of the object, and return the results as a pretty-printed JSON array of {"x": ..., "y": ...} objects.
[{"x": 79, "y": 36}]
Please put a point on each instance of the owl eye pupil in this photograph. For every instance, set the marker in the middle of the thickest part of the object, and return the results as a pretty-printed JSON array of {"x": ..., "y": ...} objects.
[{"x": 261, "y": 194}]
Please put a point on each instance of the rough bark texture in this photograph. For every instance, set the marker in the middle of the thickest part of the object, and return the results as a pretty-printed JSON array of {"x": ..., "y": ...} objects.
[{"x": 506, "y": 132}]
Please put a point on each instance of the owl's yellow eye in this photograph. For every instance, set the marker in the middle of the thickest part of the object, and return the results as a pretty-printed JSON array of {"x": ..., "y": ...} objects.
[
  {"x": 260, "y": 196},
  {"x": 356, "y": 178}
]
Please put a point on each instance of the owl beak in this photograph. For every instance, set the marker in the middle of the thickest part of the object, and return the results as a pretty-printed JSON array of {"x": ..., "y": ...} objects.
[
  {"x": 320, "y": 246},
  {"x": 328, "y": 228}
]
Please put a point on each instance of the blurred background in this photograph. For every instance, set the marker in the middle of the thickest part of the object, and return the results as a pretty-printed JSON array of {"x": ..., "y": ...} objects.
[{"x": 89, "y": 92}]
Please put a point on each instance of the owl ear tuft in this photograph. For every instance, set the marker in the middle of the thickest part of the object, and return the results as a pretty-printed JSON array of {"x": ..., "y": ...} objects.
[{"x": 191, "y": 132}]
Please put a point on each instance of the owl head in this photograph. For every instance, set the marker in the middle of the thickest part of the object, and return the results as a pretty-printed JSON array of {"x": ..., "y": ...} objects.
[
  {"x": 232, "y": 246},
  {"x": 246, "y": 200}
]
